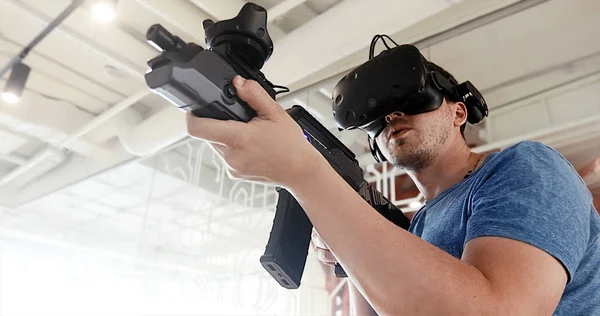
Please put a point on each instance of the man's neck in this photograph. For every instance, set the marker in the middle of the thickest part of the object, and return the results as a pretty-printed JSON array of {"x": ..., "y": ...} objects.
[{"x": 449, "y": 168}]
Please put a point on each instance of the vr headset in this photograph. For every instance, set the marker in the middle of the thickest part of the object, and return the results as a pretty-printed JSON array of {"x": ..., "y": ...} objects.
[{"x": 398, "y": 79}]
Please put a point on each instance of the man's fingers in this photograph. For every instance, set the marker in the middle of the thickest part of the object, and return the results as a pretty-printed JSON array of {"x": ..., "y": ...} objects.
[
  {"x": 325, "y": 256},
  {"x": 319, "y": 242},
  {"x": 212, "y": 130},
  {"x": 256, "y": 97}
]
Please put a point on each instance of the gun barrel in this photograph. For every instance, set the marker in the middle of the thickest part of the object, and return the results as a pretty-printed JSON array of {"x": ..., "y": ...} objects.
[{"x": 161, "y": 39}]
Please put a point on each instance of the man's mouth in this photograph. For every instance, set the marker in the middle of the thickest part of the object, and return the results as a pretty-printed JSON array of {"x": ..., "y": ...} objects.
[{"x": 398, "y": 132}]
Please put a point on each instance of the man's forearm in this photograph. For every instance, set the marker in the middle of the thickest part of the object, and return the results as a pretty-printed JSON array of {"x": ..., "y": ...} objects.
[{"x": 397, "y": 271}]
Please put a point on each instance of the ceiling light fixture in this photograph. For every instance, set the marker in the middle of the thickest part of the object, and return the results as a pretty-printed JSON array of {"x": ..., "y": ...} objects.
[
  {"x": 105, "y": 10},
  {"x": 19, "y": 71},
  {"x": 16, "y": 83}
]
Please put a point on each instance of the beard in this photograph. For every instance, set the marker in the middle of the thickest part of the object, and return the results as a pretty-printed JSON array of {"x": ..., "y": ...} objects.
[
  {"x": 419, "y": 150},
  {"x": 413, "y": 158}
]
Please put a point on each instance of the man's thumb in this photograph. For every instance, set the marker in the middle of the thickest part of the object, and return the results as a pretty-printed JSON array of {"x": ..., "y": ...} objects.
[{"x": 257, "y": 98}]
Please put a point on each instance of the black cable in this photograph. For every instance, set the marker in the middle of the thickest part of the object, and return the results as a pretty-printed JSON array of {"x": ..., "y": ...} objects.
[
  {"x": 283, "y": 89},
  {"x": 381, "y": 37},
  {"x": 373, "y": 42},
  {"x": 385, "y": 36}
]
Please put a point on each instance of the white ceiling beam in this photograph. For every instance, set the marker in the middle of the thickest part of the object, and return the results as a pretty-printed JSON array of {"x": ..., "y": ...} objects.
[
  {"x": 318, "y": 106},
  {"x": 71, "y": 171},
  {"x": 144, "y": 138},
  {"x": 546, "y": 79},
  {"x": 12, "y": 158},
  {"x": 218, "y": 9},
  {"x": 104, "y": 117},
  {"x": 49, "y": 122},
  {"x": 581, "y": 135},
  {"x": 74, "y": 137},
  {"x": 446, "y": 24},
  {"x": 282, "y": 8},
  {"x": 352, "y": 137},
  {"x": 326, "y": 92},
  {"x": 538, "y": 134},
  {"x": 49, "y": 154},
  {"x": 365, "y": 159},
  {"x": 324, "y": 40}
]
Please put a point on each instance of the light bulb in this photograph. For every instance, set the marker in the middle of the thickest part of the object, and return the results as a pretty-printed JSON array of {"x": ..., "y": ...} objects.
[
  {"x": 10, "y": 97},
  {"x": 16, "y": 83},
  {"x": 104, "y": 11}
]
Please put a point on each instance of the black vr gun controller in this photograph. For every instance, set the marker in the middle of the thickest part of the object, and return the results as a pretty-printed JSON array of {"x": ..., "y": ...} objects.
[
  {"x": 285, "y": 255},
  {"x": 199, "y": 80}
]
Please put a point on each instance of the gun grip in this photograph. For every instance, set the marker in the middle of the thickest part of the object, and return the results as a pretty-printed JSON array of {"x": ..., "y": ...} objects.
[{"x": 287, "y": 248}]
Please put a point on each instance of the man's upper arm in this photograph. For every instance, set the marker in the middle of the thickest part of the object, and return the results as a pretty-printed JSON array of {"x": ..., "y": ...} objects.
[
  {"x": 524, "y": 279},
  {"x": 529, "y": 227}
]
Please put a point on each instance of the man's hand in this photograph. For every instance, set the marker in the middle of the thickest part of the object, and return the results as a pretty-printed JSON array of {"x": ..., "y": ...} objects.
[
  {"x": 321, "y": 249},
  {"x": 270, "y": 149}
]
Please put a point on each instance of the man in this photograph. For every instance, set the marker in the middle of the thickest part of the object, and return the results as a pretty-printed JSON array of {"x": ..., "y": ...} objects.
[{"x": 518, "y": 236}]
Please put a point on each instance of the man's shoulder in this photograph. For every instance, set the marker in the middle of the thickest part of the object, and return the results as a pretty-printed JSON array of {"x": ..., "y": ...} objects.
[
  {"x": 532, "y": 155},
  {"x": 530, "y": 148},
  {"x": 528, "y": 162}
]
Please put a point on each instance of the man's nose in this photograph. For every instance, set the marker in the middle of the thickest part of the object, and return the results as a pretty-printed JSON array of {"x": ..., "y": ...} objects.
[{"x": 391, "y": 116}]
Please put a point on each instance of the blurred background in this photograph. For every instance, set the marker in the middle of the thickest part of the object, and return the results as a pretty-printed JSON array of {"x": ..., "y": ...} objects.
[{"x": 108, "y": 208}]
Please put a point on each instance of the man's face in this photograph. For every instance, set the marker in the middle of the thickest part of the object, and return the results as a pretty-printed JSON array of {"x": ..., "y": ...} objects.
[{"x": 414, "y": 141}]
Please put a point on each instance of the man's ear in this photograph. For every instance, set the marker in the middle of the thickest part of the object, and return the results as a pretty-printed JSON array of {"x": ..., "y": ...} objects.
[{"x": 460, "y": 114}]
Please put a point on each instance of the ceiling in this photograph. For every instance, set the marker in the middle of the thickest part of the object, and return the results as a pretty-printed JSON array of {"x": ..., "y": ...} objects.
[
  {"x": 91, "y": 157},
  {"x": 87, "y": 107}
]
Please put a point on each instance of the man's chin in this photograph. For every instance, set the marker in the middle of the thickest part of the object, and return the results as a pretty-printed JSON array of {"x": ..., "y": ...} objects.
[{"x": 410, "y": 159}]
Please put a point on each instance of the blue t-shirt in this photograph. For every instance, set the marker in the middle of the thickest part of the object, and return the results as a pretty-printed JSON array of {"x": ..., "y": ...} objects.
[{"x": 528, "y": 192}]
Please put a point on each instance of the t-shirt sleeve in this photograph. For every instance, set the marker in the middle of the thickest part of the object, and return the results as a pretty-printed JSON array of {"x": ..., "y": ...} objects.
[{"x": 534, "y": 195}]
